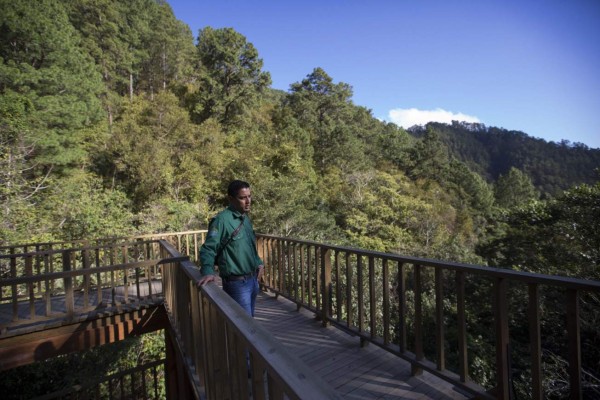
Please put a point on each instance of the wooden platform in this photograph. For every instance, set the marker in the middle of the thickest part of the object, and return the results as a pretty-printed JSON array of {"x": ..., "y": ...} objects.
[
  {"x": 357, "y": 373},
  {"x": 47, "y": 313}
]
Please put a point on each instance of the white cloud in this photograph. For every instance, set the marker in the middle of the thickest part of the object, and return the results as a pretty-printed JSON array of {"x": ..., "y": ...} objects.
[{"x": 407, "y": 117}]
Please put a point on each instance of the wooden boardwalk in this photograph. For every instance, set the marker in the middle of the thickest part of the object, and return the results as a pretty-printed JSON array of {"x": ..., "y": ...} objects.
[
  {"x": 52, "y": 311},
  {"x": 356, "y": 372}
]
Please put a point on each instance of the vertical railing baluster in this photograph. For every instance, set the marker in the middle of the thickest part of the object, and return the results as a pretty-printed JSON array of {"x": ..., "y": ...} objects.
[
  {"x": 463, "y": 365},
  {"x": 30, "y": 285},
  {"x": 502, "y": 338},
  {"x": 38, "y": 270},
  {"x": 280, "y": 266},
  {"x": 14, "y": 287},
  {"x": 402, "y": 339},
  {"x": 288, "y": 269},
  {"x": 318, "y": 289},
  {"x": 419, "y": 355},
  {"x": 309, "y": 275},
  {"x": 573, "y": 332},
  {"x": 86, "y": 277},
  {"x": 295, "y": 272},
  {"x": 327, "y": 288},
  {"x": 439, "y": 319},
  {"x": 338, "y": 290},
  {"x": 535, "y": 342},
  {"x": 372, "y": 299},
  {"x": 349, "y": 302},
  {"x": 386, "y": 302},
  {"x": 302, "y": 273},
  {"x": 359, "y": 293},
  {"x": 47, "y": 285},
  {"x": 68, "y": 283},
  {"x": 125, "y": 271}
]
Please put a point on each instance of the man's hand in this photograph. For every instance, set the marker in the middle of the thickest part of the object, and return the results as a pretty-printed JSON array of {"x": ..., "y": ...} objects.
[
  {"x": 205, "y": 279},
  {"x": 261, "y": 272}
]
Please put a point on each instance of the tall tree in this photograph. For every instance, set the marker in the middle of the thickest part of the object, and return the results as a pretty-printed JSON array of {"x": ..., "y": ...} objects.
[
  {"x": 325, "y": 110},
  {"x": 49, "y": 103},
  {"x": 230, "y": 76},
  {"x": 514, "y": 189}
]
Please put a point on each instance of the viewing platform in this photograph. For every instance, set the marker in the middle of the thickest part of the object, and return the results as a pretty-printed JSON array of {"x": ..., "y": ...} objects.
[{"x": 331, "y": 321}]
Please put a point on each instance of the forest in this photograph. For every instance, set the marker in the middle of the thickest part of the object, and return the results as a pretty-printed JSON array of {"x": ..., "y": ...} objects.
[{"x": 116, "y": 119}]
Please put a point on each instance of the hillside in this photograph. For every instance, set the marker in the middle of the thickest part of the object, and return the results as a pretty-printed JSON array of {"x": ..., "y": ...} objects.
[{"x": 490, "y": 151}]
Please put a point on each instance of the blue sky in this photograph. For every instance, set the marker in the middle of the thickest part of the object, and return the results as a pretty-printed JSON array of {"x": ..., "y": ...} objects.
[{"x": 529, "y": 65}]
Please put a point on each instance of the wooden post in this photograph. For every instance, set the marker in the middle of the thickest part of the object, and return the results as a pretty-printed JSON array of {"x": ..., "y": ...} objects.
[
  {"x": 68, "y": 283},
  {"x": 502, "y": 339},
  {"x": 327, "y": 289},
  {"x": 535, "y": 342},
  {"x": 359, "y": 293},
  {"x": 574, "y": 336},
  {"x": 463, "y": 365},
  {"x": 439, "y": 318},
  {"x": 30, "y": 286},
  {"x": 372, "y": 299},
  {"x": 418, "y": 321},
  {"x": 386, "y": 303}
]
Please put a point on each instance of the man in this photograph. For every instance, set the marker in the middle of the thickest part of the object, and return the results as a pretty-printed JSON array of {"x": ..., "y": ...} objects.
[{"x": 231, "y": 245}]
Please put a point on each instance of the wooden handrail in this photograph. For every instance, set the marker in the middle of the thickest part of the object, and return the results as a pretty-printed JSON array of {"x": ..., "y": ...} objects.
[
  {"x": 349, "y": 287},
  {"x": 221, "y": 342}
]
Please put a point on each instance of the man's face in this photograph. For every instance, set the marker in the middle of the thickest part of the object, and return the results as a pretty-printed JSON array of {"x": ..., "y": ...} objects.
[{"x": 241, "y": 202}]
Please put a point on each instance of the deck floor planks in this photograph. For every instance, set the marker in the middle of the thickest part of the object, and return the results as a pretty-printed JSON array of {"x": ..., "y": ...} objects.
[
  {"x": 58, "y": 306},
  {"x": 356, "y": 372}
]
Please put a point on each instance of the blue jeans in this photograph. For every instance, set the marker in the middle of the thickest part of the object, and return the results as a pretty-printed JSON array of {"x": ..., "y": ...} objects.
[{"x": 244, "y": 292}]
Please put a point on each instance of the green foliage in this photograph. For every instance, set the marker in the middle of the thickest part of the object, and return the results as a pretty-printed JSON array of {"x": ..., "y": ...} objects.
[
  {"x": 514, "y": 188},
  {"x": 491, "y": 152},
  {"x": 566, "y": 232},
  {"x": 65, "y": 371},
  {"x": 81, "y": 208},
  {"x": 325, "y": 111},
  {"x": 229, "y": 74}
]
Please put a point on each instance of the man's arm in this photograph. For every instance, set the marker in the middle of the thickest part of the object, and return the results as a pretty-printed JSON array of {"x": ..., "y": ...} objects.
[{"x": 208, "y": 251}]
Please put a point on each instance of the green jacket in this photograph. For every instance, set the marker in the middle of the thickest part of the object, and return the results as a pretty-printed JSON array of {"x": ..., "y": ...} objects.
[{"x": 239, "y": 257}]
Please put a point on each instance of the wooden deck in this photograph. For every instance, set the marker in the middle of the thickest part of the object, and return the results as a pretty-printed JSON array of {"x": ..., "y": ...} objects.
[
  {"x": 52, "y": 311},
  {"x": 356, "y": 372}
]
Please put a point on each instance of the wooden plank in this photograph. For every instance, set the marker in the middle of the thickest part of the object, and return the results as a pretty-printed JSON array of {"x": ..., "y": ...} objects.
[{"x": 368, "y": 372}]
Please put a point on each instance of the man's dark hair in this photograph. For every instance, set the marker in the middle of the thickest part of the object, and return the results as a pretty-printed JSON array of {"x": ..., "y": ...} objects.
[{"x": 235, "y": 186}]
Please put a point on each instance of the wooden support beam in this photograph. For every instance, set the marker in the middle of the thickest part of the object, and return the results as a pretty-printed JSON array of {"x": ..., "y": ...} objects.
[{"x": 40, "y": 345}]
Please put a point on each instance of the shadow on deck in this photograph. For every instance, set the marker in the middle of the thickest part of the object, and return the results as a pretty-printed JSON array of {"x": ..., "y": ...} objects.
[{"x": 355, "y": 372}]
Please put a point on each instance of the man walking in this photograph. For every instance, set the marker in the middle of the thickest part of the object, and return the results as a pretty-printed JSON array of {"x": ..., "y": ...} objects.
[{"x": 231, "y": 245}]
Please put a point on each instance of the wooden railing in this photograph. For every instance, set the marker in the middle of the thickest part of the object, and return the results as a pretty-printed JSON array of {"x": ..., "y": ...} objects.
[
  {"x": 419, "y": 309},
  {"x": 227, "y": 354},
  {"x": 382, "y": 298},
  {"x": 69, "y": 282},
  {"x": 142, "y": 382}
]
